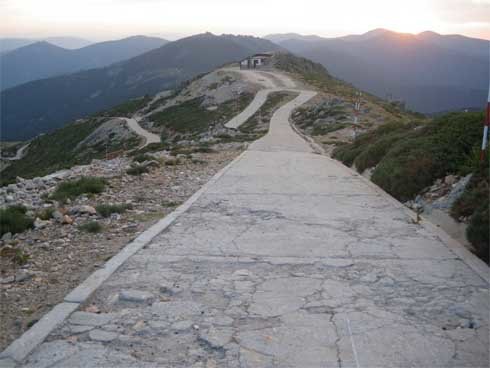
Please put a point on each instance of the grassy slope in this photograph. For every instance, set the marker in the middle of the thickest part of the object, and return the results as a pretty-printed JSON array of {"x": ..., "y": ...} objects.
[
  {"x": 55, "y": 151},
  {"x": 190, "y": 118}
]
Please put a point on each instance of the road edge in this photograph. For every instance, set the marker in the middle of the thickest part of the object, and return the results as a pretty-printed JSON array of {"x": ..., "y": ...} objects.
[
  {"x": 21, "y": 347},
  {"x": 468, "y": 258}
]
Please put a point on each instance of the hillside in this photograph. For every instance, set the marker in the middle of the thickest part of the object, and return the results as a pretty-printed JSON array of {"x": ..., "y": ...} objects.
[
  {"x": 418, "y": 69},
  {"x": 55, "y": 101},
  {"x": 43, "y": 59}
]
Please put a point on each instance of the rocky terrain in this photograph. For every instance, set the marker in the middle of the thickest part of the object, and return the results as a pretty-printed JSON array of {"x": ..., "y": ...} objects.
[{"x": 40, "y": 266}]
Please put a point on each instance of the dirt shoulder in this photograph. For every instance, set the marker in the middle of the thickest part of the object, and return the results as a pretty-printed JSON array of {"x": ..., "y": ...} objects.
[{"x": 57, "y": 257}]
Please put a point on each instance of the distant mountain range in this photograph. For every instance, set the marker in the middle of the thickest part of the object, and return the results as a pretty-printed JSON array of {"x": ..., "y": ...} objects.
[
  {"x": 429, "y": 71},
  {"x": 44, "y": 105},
  {"x": 9, "y": 44},
  {"x": 43, "y": 59}
]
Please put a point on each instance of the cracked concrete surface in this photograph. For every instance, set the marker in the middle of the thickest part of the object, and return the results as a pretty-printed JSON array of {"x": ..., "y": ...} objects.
[{"x": 288, "y": 260}]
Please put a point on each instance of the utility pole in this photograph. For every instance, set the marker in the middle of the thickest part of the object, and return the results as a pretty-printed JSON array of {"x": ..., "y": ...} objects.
[
  {"x": 486, "y": 125},
  {"x": 357, "y": 109}
]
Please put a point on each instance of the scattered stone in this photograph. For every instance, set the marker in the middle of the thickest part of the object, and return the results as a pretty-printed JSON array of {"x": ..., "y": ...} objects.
[
  {"x": 182, "y": 325},
  {"x": 92, "y": 309},
  {"x": 166, "y": 288},
  {"x": 450, "y": 179},
  {"x": 135, "y": 296},
  {"x": 67, "y": 220},
  {"x": 80, "y": 329},
  {"x": 7, "y": 237},
  {"x": 90, "y": 319},
  {"x": 58, "y": 216},
  {"x": 217, "y": 337},
  {"x": 102, "y": 336},
  {"x": 82, "y": 210},
  {"x": 40, "y": 224}
]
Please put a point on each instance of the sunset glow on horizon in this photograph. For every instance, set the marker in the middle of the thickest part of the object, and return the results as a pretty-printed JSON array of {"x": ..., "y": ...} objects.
[{"x": 106, "y": 19}]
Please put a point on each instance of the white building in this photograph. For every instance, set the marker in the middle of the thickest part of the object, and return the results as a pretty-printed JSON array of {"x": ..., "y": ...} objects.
[{"x": 255, "y": 61}]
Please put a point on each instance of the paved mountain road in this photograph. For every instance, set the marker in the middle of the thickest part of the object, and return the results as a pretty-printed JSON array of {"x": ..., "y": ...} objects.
[
  {"x": 285, "y": 259},
  {"x": 133, "y": 124},
  {"x": 273, "y": 82}
]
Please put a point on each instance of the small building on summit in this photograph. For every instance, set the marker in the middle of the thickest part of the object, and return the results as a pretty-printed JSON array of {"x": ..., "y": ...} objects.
[{"x": 256, "y": 61}]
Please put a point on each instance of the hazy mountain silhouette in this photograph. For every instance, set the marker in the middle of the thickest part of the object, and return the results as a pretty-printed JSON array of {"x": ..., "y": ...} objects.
[
  {"x": 431, "y": 72},
  {"x": 9, "y": 44},
  {"x": 42, "y": 59}
]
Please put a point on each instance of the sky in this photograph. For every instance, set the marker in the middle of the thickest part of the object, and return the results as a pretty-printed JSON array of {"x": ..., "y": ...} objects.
[{"x": 99, "y": 20}]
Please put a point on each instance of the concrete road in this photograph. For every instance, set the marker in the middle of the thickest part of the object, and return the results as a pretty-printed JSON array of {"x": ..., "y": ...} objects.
[
  {"x": 273, "y": 82},
  {"x": 288, "y": 259},
  {"x": 135, "y": 127},
  {"x": 19, "y": 154}
]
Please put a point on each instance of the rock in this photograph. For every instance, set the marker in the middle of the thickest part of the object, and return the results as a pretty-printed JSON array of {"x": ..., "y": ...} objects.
[
  {"x": 82, "y": 210},
  {"x": 182, "y": 325},
  {"x": 22, "y": 275},
  {"x": 136, "y": 296},
  {"x": 450, "y": 179},
  {"x": 40, "y": 224},
  {"x": 90, "y": 319},
  {"x": 9, "y": 198},
  {"x": 7, "y": 237},
  {"x": 58, "y": 216},
  {"x": 12, "y": 188},
  {"x": 166, "y": 288},
  {"x": 7, "y": 280},
  {"x": 102, "y": 336},
  {"x": 67, "y": 220},
  {"x": 217, "y": 337}
]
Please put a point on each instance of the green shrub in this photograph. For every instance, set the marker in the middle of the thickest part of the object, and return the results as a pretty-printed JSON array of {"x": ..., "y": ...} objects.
[
  {"x": 14, "y": 220},
  {"x": 137, "y": 170},
  {"x": 142, "y": 157},
  {"x": 20, "y": 257},
  {"x": 74, "y": 188},
  {"x": 172, "y": 162},
  {"x": 46, "y": 213},
  {"x": 91, "y": 227},
  {"x": 474, "y": 203},
  {"x": 105, "y": 210},
  {"x": 419, "y": 158},
  {"x": 375, "y": 152},
  {"x": 478, "y": 231}
]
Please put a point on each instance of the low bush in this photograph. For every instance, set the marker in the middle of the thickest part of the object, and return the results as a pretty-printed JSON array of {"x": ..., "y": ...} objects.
[
  {"x": 478, "y": 232},
  {"x": 474, "y": 203},
  {"x": 46, "y": 213},
  {"x": 91, "y": 227},
  {"x": 172, "y": 162},
  {"x": 14, "y": 220},
  {"x": 142, "y": 157},
  {"x": 73, "y": 188},
  {"x": 137, "y": 170},
  {"x": 438, "y": 148},
  {"x": 105, "y": 210}
]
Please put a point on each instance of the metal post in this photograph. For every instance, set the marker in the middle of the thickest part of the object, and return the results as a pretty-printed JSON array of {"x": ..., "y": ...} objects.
[{"x": 486, "y": 125}]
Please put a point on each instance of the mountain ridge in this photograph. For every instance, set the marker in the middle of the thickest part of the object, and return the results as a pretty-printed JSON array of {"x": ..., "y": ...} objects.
[
  {"x": 414, "y": 68},
  {"x": 43, "y": 60}
]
